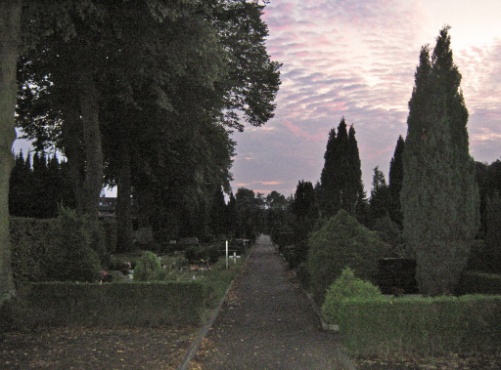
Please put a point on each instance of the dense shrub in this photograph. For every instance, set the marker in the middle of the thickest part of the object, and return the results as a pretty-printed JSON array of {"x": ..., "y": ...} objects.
[
  {"x": 387, "y": 230},
  {"x": 346, "y": 286},
  {"x": 303, "y": 275},
  {"x": 474, "y": 282},
  {"x": 202, "y": 253},
  {"x": 148, "y": 268},
  {"x": 110, "y": 234},
  {"x": 30, "y": 239},
  {"x": 295, "y": 253},
  {"x": 342, "y": 242},
  {"x": 37, "y": 242},
  {"x": 71, "y": 256},
  {"x": 406, "y": 328}
]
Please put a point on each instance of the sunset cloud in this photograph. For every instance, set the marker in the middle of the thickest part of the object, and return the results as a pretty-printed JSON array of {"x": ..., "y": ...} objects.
[{"x": 357, "y": 59}]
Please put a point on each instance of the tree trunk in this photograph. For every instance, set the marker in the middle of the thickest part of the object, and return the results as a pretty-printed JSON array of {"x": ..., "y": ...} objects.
[
  {"x": 124, "y": 223},
  {"x": 10, "y": 22},
  {"x": 89, "y": 109},
  {"x": 72, "y": 144}
]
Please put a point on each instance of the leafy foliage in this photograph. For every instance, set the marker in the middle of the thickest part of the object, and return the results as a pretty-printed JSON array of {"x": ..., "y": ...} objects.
[
  {"x": 347, "y": 285},
  {"x": 342, "y": 242},
  {"x": 148, "y": 267}
]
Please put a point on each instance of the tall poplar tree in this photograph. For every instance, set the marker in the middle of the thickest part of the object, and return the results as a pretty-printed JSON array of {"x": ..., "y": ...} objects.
[{"x": 439, "y": 194}]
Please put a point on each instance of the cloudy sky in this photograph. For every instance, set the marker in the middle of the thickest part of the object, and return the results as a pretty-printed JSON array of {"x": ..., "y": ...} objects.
[{"x": 357, "y": 58}]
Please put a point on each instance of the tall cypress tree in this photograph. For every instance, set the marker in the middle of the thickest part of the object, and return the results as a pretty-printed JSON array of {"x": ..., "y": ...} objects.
[
  {"x": 439, "y": 195},
  {"x": 354, "y": 190},
  {"x": 396, "y": 176},
  {"x": 341, "y": 179},
  {"x": 328, "y": 194},
  {"x": 379, "y": 203}
]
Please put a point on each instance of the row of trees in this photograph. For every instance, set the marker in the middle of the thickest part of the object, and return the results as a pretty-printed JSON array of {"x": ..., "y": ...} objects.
[
  {"x": 140, "y": 94},
  {"x": 39, "y": 186},
  {"x": 437, "y": 201}
]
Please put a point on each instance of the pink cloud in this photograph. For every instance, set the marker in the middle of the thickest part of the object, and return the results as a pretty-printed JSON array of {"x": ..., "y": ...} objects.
[{"x": 299, "y": 132}]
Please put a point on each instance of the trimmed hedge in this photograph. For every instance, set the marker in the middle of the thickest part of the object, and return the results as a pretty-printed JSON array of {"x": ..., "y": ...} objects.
[
  {"x": 130, "y": 304},
  {"x": 409, "y": 327},
  {"x": 473, "y": 282},
  {"x": 30, "y": 239}
]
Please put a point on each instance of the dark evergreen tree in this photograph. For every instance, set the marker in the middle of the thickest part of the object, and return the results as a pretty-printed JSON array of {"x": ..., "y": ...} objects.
[
  {"x": 341, "y": 179},
  {"x": 328, "y": 194},
  {"x": 231, "y": 216},
  {"x": 248, "y": 213},
  {"x": 218, "y": 214},
  {"x": 354, "y": 194},
  {"x": 396, "y": 176},
  {"x": 21, "y": 188},
  {"x": 439, "y": 195},
  {"x": 380, "y": 201},
  {"x": 493, "y": 233},
  {"x": 277, "y": 210},
  {"x": 304, "y": 209},
  {"x": 41, "y": 203}
]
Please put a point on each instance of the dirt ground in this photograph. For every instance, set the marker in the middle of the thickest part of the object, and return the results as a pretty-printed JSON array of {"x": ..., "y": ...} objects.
[{"x": 84, "y": 348}]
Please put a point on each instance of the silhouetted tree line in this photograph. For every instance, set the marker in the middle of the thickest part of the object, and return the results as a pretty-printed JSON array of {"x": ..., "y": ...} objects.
[{"x": 38, "y": 186}]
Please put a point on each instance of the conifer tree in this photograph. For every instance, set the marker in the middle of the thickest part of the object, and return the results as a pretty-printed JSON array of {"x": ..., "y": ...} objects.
[
  {"x": 21, "y": 188},
  {"x": 328, "y": 193},
  {"x": 439, "y": 195},
  {"x": 304, "y": 210},
  {"x": 354, "y": 189},
  {"x": 341, "y": 179},
  {"x": 379, "y": 204},
  {"x": 396, "y": 176}
]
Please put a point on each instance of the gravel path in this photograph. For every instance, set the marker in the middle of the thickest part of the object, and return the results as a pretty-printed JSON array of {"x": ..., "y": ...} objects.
[{"x": 267, "y": 322}]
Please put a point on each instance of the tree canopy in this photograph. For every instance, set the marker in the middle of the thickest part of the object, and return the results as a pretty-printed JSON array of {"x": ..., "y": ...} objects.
[{"x": 439, "y": 195}]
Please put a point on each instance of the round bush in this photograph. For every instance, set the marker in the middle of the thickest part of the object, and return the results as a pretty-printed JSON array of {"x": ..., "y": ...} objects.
[
  {"x": 148, "y": 268},
  {"x": 342, "y": 242},
  {"x": 346, "y": 286}
]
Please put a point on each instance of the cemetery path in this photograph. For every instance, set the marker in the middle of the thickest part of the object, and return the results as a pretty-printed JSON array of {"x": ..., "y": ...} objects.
[{"x": 267, "y": 322}]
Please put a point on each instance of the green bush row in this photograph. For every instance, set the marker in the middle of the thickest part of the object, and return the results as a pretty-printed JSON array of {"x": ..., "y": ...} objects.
[
  {"x": 43, "y": 249},
  {"x": 30, "y": 239},
  {"x": 473, "y": 282},
  {"x": 129, "y": 304},
  {"x": 408, "y": 327}
]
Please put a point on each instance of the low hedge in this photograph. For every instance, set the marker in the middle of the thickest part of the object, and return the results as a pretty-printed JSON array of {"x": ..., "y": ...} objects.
[
  {"x": 473, "y": 282},
  {"x": 402, "y": 328},
  {"x": 130, "y": 304}
]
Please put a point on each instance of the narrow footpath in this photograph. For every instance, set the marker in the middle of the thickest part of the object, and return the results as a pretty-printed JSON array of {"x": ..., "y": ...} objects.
[{"x": 267, "y": 322}]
